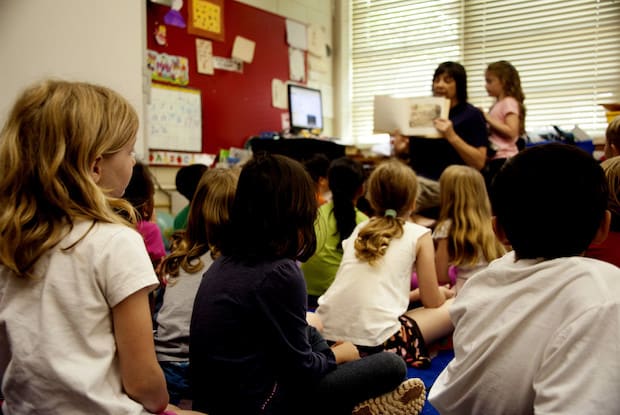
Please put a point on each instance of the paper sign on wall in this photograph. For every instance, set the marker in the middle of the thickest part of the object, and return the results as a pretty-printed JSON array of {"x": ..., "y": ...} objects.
[
  {"x": 297, "y": 65},
  {"x": 167, "y": 68},
  {"x": 243, "y": 49},
  {"x": 316, "y": 39},
  {"x": 278, "y": 94},
  {"x": 204, "y": 56},
  {"x": 227, "y": 64},
  {"x": 296, "y": 35}
]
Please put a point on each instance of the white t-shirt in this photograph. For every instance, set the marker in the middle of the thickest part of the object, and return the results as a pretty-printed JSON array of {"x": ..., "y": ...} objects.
[
  {"x": 364, "y": 302},
  {"x": 57, "y": 348},
  {"x": 535, "y": 336}
]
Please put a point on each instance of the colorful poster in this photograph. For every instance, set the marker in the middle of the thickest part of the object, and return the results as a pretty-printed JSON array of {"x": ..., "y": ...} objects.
[{"x": 168, "y": 68}]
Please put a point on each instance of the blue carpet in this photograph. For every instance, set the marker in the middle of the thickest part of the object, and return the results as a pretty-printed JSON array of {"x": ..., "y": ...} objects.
[{"x": 429, "y": 375}]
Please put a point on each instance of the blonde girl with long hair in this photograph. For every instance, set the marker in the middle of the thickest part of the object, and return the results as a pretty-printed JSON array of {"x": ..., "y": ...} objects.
[
  {"x": 464, "y": 237},
  {"x": 75, "y": 324},
  {"x": 182, "y": 269},
  {"x": 367, "y": 302}
]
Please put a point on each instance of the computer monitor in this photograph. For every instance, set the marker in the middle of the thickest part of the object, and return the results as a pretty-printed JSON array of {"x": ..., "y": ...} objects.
[{"x": 305, "y": 108}]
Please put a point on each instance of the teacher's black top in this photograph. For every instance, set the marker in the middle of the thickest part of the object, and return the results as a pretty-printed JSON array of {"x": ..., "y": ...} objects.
[{"x": 430, "y": 156}]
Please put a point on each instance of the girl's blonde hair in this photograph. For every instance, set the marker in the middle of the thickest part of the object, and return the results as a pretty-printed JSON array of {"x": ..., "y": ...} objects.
[
  {"x": 48, "y": 146},
  {"x": 392, "y": 188},
  {"x": 464, "y": 201},
  {"x": 510, "y": 79},
  {"x": 208, "y": 217},
  {"x": 612, "y": 173}
]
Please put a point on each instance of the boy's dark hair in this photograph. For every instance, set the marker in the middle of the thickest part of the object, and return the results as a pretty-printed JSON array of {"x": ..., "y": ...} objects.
[
  {"x": 274, "y": 211},
  {"x": 345, "y": 177},
  {"x": 140, "y": 191},
  {"x": 187, "y": 179},
  {"x": 317, "y": 166},
  {"x": 550, "y": 200},
  {"x": 457, "y": 72}
]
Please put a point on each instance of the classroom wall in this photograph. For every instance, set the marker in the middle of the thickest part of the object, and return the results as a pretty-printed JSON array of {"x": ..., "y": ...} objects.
[
  {"x": 105, "y": 41},
  {"x": 236, "y": 106},
  {"x": 87, "y": 40}
]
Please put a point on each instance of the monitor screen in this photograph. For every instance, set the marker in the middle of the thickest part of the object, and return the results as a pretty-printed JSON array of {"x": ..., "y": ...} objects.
[{"x": 304, "y": 107}]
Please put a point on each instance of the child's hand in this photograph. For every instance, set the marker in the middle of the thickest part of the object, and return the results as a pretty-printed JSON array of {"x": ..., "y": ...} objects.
[
  {"x": 345, "y": 352},
  {"x": 447, "y": 291}
]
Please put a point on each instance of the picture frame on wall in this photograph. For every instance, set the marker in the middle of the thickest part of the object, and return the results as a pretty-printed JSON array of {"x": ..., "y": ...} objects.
[{"x": 206, "y": 19}]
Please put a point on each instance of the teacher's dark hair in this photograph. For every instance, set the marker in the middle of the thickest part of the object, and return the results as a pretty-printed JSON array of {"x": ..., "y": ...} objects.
[{"x": 457, "y": 72}]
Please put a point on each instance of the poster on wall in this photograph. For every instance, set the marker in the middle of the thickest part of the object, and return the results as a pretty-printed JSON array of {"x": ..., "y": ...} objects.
[
  {"x": 167, "y": 68},
  {"x": 174, "y": 119},
  {"x": 204, "y": 56},
  {"x": 206, "y": 19}
]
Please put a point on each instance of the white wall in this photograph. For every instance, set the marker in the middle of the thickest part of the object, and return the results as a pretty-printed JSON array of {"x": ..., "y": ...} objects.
[{"x": 99, "y": 41}]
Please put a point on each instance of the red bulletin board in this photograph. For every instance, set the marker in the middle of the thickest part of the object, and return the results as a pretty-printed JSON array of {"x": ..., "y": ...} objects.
[{"x": 235, "y": 106}]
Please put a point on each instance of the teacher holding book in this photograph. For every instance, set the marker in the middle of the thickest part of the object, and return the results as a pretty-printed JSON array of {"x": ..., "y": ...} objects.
[{"x": 464, "y": 138}]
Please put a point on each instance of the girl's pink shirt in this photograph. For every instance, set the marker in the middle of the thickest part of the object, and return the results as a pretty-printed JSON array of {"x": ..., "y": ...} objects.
[
  {"x": 152, "y": 240},
  {"x": 506, "y": 148}
]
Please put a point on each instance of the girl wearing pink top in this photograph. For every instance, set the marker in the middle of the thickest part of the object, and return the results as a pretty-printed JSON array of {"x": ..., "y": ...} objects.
[{"x": 506, "y": 117}]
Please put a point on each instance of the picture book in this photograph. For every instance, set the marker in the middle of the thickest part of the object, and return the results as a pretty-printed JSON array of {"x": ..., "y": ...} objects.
[{"x": 412, "y": 116}]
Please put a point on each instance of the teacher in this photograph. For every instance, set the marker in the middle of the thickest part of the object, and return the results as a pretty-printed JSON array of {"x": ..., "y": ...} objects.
[{"x": 464, "y": 138}]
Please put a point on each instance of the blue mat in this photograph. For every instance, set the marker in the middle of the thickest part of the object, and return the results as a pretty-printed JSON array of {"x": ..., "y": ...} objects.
[{"x": 429, "y": 375}]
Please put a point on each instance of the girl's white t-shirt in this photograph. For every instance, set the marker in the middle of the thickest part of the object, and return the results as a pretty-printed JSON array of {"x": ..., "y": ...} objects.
[
  {"x": 364, "y": 302},
  {"x": 57, "y": 348}
]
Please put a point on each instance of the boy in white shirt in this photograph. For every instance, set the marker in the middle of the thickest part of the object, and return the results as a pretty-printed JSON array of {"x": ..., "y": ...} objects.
[{"x": 538, "y": 330}]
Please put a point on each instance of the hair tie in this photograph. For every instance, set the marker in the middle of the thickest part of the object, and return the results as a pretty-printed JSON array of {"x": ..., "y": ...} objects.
[{"x": 391, "y": 213}]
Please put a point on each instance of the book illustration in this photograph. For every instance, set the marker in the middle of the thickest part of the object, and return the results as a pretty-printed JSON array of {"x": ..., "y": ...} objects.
[{"x": 412, "y": 116}]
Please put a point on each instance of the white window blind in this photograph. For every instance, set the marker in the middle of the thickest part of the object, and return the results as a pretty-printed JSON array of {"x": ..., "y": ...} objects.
[
  {"x": 396, "y": 46},
  {"x": 566, "y": 51}
]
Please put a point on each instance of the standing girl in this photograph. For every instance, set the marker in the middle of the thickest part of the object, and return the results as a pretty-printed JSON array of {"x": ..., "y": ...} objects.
[
  {"x": 75, "y": 325},
  {"x": 251, "y": 349},
  {"x": 367, "y": 302},
  {"x": 506, "y": 118},
  {"x": 464, "y": 237},
  {"x": 183, "y": 270},
  {"x": 335, "y": 222}
]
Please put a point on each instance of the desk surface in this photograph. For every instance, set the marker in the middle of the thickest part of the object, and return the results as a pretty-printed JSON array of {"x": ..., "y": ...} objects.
[{"x": 298, "y": 148}]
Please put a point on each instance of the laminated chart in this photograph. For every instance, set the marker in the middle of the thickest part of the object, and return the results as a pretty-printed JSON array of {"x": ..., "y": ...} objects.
[{"x": 175, "y": 119}]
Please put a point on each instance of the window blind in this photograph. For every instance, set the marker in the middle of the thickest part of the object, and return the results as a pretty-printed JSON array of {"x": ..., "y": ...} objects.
[
  {"x": 566, "y": 51},
  {"x": 395, "y": 48}
]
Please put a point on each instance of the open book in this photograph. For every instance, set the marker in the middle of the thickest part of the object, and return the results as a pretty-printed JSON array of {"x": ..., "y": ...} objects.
[{"x": 412, "y": 116}]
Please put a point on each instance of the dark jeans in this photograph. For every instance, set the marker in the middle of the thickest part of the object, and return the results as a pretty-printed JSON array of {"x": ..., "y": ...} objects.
[
  {"x": 177, "y": 380},
  {"x": 353, "y": 382}
]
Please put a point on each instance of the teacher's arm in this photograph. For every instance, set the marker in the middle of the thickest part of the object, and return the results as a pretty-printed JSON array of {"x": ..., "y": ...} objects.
[{"x": 472, "y": 156}]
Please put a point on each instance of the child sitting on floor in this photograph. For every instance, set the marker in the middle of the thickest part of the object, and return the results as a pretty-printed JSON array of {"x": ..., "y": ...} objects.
[
  {"x": 530, "y": 326},
  {"x": 367, "y": 302},
  {"x": 464, "y": 238},
  {"x": 75, "y": 325}
]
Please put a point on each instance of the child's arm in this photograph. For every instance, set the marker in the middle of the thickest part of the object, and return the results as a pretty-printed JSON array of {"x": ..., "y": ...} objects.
[
  {"x": 509, "y": 128},
  {"x": 442, "y": 261},
  {"x": 345, "y": 352},
  {"x": 143, "y": 379},
  {"x": 314, "y": 320},
  {"x": 430, "y": 295}
]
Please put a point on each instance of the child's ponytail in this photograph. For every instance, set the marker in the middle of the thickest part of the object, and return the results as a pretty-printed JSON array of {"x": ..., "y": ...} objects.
[{"x": 392, "y": 188}]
